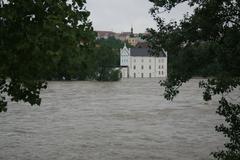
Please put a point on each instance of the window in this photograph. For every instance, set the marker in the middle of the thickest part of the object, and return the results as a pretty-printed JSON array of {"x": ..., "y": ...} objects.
[
  {"x": 162, "y": 72},
  {"x": 134, "y": 67},
  {"x": 150, "y": 60},
  {"x": 142, "y": 67},
  {"x": 159, "y": 67},
  {"x": 159, "y": 72},
  {"x": 142, "y": 75},
  {"x": 150, "y": 67},
  {"x": 134, "y": 75},
  {"x": 150, "y": 75},
  {"x": 162, "y": 66}
]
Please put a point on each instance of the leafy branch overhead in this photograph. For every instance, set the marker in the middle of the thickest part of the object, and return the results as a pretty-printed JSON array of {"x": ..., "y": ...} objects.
[
  {"x": 206, "y": 43},
  {"x": 35, "y": 36}
]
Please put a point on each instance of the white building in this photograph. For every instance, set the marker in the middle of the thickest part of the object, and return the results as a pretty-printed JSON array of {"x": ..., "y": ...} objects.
[{"x": 138, "y": 63}]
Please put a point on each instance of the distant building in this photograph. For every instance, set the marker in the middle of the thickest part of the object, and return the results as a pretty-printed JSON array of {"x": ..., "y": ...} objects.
[
  {"x": 123, "y": 36},
  {"x": 138, "y": 63},
  {"x": 105, "y": 34},
  {"x": 129, "y": 37},
  {"x": 134, "y": 41},
  {"x": 141, "y": 45},
  {"x": 132, "y": 34}
]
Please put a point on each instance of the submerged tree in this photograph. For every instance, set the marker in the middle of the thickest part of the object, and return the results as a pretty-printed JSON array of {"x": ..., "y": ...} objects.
[
  {"x": 104, "y": 61},
  {"x": 35, "y": 36},
  {"x": 206, "y": 43}
]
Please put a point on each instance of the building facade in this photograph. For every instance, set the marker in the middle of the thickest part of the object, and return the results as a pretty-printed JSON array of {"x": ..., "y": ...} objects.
[
  {"x": 105, "y": 34},
  {"x": 129, "y": 37},
  {"x": 138, "y": 63}
]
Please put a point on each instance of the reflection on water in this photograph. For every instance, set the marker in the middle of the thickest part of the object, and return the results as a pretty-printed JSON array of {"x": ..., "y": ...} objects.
[{"x": 126, "y": 120}]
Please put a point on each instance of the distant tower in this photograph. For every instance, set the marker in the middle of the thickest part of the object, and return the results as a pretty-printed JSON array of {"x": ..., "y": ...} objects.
[{"x": 131, "y": 35}]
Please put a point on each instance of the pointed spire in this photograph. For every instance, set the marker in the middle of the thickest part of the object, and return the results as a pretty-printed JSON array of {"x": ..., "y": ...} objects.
[
  {"x": 125, "y": 46},
  {"x": 131, "y": 35}
]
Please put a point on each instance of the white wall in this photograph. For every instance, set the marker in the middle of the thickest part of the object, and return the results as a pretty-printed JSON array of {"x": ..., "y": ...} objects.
[
  {"x": 152, "y": 67},
  {"x": 124, "y": 56},
  {"x": 124, "y": 72},
  {"x": 139, "y": 67}
]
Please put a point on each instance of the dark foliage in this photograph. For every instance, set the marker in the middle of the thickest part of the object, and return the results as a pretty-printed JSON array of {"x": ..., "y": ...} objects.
[
  {"x": 39, "y": 39},
  {"x": 105, "y": 61},
  {"x": 206, "y": 43},
  {"x": 231, "y": 114}
]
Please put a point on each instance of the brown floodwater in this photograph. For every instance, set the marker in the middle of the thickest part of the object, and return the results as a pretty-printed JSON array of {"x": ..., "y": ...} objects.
[{"x": 126, "y": 120}]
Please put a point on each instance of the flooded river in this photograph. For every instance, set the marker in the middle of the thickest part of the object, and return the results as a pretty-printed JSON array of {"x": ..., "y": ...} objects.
[{"x": 126, "y": 120}]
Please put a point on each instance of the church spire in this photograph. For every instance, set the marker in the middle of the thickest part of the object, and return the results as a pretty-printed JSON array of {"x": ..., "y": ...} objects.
[{"x": 131, "y": 35}]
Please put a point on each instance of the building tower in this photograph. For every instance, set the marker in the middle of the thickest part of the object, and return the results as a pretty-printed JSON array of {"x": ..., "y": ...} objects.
[{"x": 131, "y": 35}]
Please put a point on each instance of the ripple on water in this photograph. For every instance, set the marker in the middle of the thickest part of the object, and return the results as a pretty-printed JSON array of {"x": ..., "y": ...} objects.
[{"x": 111, "y": 121}]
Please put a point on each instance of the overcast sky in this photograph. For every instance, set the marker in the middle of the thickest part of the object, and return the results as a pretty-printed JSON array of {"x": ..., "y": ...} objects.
[{"x": 120, "y": 15}]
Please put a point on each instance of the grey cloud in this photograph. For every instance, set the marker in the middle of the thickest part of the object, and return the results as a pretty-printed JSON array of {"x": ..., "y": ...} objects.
[{"x": 119, "y": 15}]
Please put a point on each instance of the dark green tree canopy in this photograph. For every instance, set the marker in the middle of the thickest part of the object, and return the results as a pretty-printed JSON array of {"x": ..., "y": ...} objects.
[
  {"x": 35, "y": 34},
  {"x": 111, "y": 42},
  {"x": 206, "y": 43}
]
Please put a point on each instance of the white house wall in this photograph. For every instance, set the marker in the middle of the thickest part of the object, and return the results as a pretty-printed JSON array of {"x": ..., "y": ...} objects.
[
  {"x": 125, "y": 54},
  {"x": 147, "y": 67},
  {"x": 142, "y": 67},
  {"x": 124, "y": 72}
]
